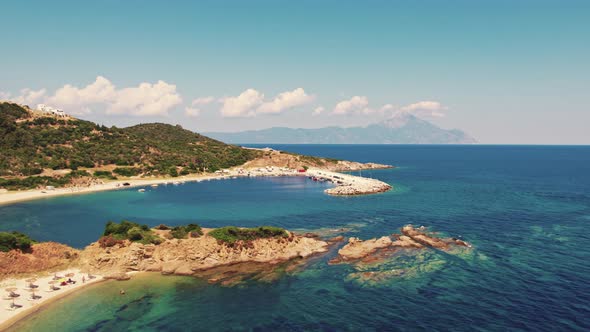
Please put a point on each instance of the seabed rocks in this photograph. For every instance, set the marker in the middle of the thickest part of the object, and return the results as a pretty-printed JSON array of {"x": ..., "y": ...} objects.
[{"x": 404, "y": 255}]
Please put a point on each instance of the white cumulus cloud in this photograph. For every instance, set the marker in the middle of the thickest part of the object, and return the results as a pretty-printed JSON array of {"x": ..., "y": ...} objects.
[
  {"x": 192, "y": 112},
  {"x": 251, "y": 103},
  {"x": 319, "y": 110},
  {"x": 143, "y": 100},
  {"x": 353, "y": 105},
  {"x": 100, "y": 91},
  {"x": 26, "y": 97},
  {"x": 203, "y": 101},
  {"x": 285, "y": 101},
  {"x": 432, "y": 109},
  {"x": 146, "y": 99},
  {"x": 243, "y": 105}
]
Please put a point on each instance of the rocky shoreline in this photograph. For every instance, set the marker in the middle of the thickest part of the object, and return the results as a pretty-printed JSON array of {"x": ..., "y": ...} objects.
[{"x": 194, "y": 254}]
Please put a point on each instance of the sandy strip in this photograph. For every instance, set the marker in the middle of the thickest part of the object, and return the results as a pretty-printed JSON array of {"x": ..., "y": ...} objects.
[
  {"x": 9, "y": 316},
  {"x": 362, "y": 184},
  {"x": 20, "y": 196}
]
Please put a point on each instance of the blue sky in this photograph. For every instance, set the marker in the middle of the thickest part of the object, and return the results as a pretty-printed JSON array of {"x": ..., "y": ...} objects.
[{"x": 503, "y": 71}]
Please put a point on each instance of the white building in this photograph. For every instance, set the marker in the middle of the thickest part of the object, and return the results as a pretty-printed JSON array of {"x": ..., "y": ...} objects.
[{"x": 48, "y": 109}]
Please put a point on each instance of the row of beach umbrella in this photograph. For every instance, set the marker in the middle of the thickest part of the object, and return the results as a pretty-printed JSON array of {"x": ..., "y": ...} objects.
[{"x": 12, "y": 295}]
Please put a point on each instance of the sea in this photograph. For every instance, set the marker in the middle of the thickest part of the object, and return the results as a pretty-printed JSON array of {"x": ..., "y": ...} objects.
[{"x": 524, "y": 209}]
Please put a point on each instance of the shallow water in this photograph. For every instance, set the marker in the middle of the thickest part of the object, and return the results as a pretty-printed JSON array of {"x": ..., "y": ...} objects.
[{"x": 526, "y": 210}]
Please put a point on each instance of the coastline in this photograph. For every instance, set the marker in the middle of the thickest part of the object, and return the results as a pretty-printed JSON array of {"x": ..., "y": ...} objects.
[
  {"x": 34, "y": 194},
  {"x": 359, "y": 185},
  {"x": 346, "y": 182},
  {"x": 8, "y": 318}
]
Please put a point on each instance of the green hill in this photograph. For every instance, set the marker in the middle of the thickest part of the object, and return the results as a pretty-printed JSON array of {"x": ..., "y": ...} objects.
[{"x": 33, "y": 143}]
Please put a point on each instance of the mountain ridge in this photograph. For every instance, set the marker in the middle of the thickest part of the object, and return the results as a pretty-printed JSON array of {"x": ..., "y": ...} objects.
[{"x": 404, "y": 129}]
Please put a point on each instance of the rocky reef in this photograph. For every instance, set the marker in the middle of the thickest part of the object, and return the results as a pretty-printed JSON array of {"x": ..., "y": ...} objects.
[
  {"x": 410, "y": 237},
  {"x": 380, "y": 259}
]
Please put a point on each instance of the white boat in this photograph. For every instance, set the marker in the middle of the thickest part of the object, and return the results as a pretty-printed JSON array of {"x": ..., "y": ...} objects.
[
  {"x": 141, "y": 190},
  {"x": 154, "y": 185}
]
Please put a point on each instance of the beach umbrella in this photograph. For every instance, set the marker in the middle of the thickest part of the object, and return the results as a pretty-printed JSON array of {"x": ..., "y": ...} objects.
[
  {"x": 52, "y": 283},
  {"x": 10, "y": 289},
  {"x": 69, "y": 275},
  {"x": 33, "y": 296},
  {"x": 31, "y": 280}
]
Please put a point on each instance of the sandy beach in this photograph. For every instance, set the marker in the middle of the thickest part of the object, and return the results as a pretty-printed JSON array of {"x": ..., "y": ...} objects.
[
  {"x": 350, "y": 184},
  {"x": 44, "y": 295},
  {"x": 27, "y": 195}
]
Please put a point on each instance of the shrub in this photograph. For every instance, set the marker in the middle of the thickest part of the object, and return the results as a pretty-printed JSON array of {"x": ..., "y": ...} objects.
[
  {"x": 135, "y": 234},
  {"x": 127, "y": 171},
  {"x": 14, "y": 240},
  {"x": 78, "y": 173},
  {"x": 182, "y": 232},
  {"x": 127, "y": 230},
  {"x": 105, "y": 174},
  {"x": 173, "y": 172},
  {"x": 231, "y": 234},
  {"x": 108, "y": 241}
]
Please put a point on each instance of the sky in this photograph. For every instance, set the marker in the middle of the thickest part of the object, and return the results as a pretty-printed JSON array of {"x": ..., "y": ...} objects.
[{"x": 505, "y": 72}]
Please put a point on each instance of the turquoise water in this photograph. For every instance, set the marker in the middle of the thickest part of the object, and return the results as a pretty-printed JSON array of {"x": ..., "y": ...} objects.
[{"x": 526, "y": 209}]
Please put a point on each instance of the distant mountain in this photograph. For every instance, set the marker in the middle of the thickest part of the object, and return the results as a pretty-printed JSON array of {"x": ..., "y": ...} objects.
[{"x": 401, "y": 129}]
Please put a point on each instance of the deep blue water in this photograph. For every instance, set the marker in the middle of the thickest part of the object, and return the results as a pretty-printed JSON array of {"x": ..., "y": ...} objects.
[{"x": 526, "y": 209}]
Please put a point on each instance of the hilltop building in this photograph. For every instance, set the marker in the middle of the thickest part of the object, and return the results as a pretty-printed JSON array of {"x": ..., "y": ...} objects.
[{"x": 48, "y": 109}]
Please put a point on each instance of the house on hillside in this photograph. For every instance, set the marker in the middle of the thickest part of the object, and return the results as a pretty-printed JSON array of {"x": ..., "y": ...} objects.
[{"x": 48, "y": 109}]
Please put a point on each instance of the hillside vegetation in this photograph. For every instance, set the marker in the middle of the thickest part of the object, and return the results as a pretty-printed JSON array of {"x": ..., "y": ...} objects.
[
  {"x": 31, "y": 144},
  {"x": 14, "y": 240}
]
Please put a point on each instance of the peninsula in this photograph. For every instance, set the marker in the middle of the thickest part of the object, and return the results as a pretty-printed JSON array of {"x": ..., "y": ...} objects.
[{"x": 64, "y": 155}]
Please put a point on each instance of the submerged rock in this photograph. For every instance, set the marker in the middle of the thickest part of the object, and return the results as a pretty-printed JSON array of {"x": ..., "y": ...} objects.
[
  {"x": 372, "y": 259},
  {"x": 357, "y": 248}
]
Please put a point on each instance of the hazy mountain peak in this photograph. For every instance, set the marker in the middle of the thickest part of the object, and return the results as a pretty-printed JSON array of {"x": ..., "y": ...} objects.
[
  {"x": 398, "y": 120},
  {"x": 403, "y": 128}
]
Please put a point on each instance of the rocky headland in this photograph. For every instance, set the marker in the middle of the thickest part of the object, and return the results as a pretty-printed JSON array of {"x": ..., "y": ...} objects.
[
  {"x": 157, "y": 250},
  {"x": 195, "y": 254}
]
